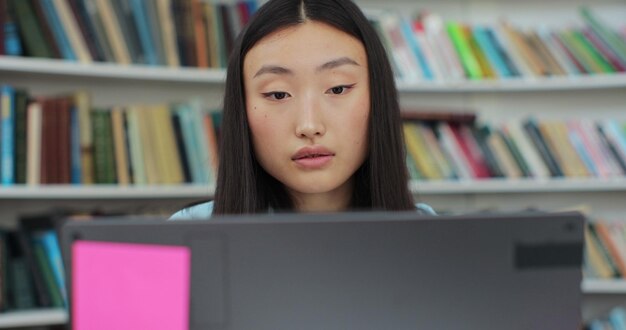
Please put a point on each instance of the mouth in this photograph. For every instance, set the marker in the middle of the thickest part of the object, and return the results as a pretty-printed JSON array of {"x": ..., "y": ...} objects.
[{"x": 313, "y": 157}]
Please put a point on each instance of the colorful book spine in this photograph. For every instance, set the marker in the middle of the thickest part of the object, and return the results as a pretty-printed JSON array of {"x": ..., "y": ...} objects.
[
  {"x": 58, "y": 31},
  {"x": 7, "y": 142},
  {"x": 470, "y": 63}
]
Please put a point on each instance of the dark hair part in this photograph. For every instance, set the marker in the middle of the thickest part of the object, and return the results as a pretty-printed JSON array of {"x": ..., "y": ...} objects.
[{"x": 243, "y": 186}]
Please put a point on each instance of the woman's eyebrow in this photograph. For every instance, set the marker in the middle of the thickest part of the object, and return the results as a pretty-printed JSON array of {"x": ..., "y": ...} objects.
[
  {"x": 336, "y": 63},
  {"x": 332, "y": 64},
  {"x": 274, "y": 69}
]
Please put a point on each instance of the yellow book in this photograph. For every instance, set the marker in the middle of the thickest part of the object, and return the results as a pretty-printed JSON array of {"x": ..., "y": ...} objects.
[
  {"x": 569, "y": 152},
  {"x": 119, "y": 146},
  {"x": 213, "y": 48},
  {"x": 148, "y": 145},
  {"x": 82, "y": 102},
  {"x": 595, "y": 257},
  {"x": 169, "y": 153},
  {"x": 503, "y": 156},
  {"x": 417, "y": 149},
  {"x": 548, "y": 131},
  {"x": 166, "y": 18}
]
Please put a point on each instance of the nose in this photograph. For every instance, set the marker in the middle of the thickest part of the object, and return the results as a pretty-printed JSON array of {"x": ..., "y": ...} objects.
[{"x": 310, "y": 121}]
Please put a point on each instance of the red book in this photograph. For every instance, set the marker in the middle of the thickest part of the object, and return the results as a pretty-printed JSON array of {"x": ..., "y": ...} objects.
[
  {"x": 64, "y": 105},
  {"x": 476, "y": 162}
]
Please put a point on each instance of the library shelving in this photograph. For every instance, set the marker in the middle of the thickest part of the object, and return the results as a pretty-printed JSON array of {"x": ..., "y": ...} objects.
[{"x": 570, "y": 96}]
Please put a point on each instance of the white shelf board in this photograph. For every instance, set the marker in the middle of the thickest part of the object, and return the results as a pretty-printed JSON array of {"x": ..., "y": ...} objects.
[
  {"x": 535, "y": 84},
  {"x": 33, "y": 318},
  {"x": 110, "y": 70},
  {"x": 518, "y": 186},
  {"x": 104, "y": 192},
  {"x": 488, "y": 186},
  {"x": 602, "y": 286},
  {"x": 217, "y": 76}
]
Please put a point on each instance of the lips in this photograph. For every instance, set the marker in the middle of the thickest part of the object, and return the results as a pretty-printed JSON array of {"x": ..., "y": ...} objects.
[{"x": 313, "y": 157}]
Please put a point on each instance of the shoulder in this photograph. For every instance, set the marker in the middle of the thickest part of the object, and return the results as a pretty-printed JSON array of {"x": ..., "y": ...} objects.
[
  {"x": 425, "y": 209},
  {"x": 205, "y": 210},
  {"x": 201, "y": 211}
]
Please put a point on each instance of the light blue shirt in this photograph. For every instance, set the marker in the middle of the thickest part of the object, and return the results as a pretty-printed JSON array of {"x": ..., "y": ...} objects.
[{"x": 205, "y": 210}]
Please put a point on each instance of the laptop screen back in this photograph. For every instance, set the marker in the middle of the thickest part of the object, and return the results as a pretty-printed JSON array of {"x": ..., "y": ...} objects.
[{"x": 359, "y": 271}]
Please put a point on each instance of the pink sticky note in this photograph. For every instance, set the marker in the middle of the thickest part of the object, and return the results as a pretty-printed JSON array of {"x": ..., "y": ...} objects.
[{"x": 130, "y": 286}]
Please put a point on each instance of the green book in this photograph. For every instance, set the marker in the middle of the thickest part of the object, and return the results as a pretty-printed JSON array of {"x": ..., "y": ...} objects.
[
  {"x": 21, "y": 288},
  {"x": 462, "y": 46},
  {"x": 586, "y": 46},
  {"x": 583, "y": 58},
  {"x": 617, "y": 44},
  {"x": 30, "y": 30},
  {"x": 109, "y": 149},
  {"x": 99, "y": 146},
  {"x": 21, "y": 103}
]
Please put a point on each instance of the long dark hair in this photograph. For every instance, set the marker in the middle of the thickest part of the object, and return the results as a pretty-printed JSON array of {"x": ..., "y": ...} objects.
[{"x": 243, "y": 186}]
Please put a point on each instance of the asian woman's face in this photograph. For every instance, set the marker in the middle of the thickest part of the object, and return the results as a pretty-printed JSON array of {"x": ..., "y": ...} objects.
[{"x": 308, "y": 104}]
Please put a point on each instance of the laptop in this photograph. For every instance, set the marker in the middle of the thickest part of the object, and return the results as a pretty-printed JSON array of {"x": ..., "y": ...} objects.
[{"x": 376, "y": 270}]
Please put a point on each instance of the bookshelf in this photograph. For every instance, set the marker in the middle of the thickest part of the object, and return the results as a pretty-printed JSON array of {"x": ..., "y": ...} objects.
[
  {"x": 560, "y": 97},
  {"x": 33, "y": 318}
]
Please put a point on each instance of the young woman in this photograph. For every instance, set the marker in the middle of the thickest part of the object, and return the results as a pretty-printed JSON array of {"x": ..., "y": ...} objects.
[{"x": 311, "y": 118}]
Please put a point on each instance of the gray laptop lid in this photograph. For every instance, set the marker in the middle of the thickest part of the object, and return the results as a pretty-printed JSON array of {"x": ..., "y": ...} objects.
[{"x": 370, "y": 270}]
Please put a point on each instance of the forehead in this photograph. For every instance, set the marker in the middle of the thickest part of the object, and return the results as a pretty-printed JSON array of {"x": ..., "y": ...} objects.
[{"x": 309, "y": 43}]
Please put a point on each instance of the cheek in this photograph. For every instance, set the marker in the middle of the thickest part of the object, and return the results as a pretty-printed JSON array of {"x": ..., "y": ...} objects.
[{"x": 263, "y": 128}]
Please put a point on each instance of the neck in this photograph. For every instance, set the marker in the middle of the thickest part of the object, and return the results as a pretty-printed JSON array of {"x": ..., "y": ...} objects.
[{"x": 333, "y": 201}]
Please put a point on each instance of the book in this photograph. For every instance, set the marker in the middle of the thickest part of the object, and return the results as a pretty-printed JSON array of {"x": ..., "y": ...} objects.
[
  {"x": 119, "y": 144},
  {"x": 463, "y": 49},
  {"x": 7, "y": 135},
  {"x": 144, "y": 28},
  {"x": 82, "y": 102},
  {"x": 536, "y": 137},
  {"x": 168, "y": 32},
  {"x": 72, "y": 31},
  {"x": 58, "y": 31},
  {"x": 21, "y": 104},
  {"x": 21, "y": 291},
  {"x": 112, "y": 31},
  {"x": 31, "y": 32},
  {"x": 135, "y": 147}
]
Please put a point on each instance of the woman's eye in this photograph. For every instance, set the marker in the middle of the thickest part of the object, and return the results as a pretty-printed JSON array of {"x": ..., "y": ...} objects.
[
  {"x": 338, "y": 90},
  {"x": 276, "y": 95}
]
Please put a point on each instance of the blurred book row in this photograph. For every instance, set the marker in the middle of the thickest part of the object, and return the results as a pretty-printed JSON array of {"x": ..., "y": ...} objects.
[
  {"x": 429, "y": 48},
  {"x": 615, "y": 319},
  {"x": 32, "y": 270},
  {"x": 63, "y": 139},
  {"x": 605, "y": 250},
  {"x": 456, "y": 146},
  {"x": 174, "y": 33}
]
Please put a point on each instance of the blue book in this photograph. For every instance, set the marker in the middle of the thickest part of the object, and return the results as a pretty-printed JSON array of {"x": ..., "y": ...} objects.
[
  {"x": 612, "y": 128},
  {"x": 409, "y": 36},
  {"x": 7, "y": 140},
  {"x": 76, "y": 172},
  {"x": 60, "y": 36},
  {"x": 48, "y": 239},
  {"x": 617, "y": 318},
  {"x": 579, "y": 146},
  {"x": 482, "y": 38},
  {"x": 143, "y": 28},
  {"x": 12, "y": 45},
  {"x": 502, "y": 52},
  {"x": 183, "y": 112}
]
